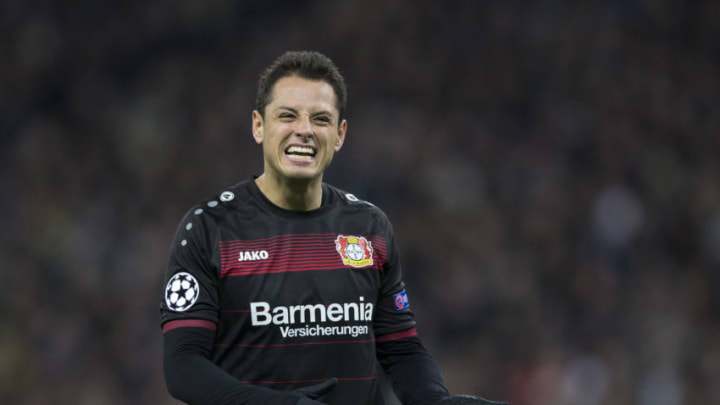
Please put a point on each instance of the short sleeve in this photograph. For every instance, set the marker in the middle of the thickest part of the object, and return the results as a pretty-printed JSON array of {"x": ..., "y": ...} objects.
[
  {"x": 190, "y": 286},
  {"x": 393, "y": 313}
]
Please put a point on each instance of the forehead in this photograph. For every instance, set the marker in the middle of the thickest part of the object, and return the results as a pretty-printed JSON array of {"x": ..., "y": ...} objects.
[{"x": 301, "y": 93}]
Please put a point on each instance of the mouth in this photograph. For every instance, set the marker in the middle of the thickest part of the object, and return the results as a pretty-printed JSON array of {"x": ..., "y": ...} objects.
[{"x": 300, "y": 153}]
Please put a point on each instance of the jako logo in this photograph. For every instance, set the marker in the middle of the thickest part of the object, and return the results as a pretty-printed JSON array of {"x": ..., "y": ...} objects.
[{"x": 251, "y": 256}]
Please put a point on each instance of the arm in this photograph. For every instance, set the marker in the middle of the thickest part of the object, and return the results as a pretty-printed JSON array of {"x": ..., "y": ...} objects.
[
  {"x": 192, "y": 378},
  {"x": 189, "y": 325},
  {"x": 416, "y": 378}
]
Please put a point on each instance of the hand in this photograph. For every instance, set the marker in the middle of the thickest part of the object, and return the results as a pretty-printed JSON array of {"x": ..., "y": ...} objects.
[
  {"x": 315, "y": 391},
  {"x": 468, "y": 400}
]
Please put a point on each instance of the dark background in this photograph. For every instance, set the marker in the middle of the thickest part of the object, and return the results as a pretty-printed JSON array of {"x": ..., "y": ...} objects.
[{"x": 551, "y": 170}]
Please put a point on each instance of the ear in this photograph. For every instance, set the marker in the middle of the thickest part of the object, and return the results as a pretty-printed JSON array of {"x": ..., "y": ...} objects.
[
  {"x": 258, "y": 127},
  {"x": 340, "y": 139}
]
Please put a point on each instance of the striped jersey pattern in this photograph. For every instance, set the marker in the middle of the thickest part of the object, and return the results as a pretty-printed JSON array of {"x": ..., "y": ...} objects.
[{"x": 294, "y": 298}]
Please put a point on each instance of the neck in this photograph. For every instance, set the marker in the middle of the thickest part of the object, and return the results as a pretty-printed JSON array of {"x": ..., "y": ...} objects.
[{"x": 294, "y": 195}]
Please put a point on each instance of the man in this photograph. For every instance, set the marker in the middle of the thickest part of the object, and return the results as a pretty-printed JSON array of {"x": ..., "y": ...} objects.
[{"x": 286, "y": 290}]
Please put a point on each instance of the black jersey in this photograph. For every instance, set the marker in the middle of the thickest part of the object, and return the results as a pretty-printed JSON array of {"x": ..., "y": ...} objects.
[{"x": 295, "y": 297}]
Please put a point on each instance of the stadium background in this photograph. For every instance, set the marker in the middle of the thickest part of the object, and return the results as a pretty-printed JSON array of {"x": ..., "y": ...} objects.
[{"x": 551, "y": 171}]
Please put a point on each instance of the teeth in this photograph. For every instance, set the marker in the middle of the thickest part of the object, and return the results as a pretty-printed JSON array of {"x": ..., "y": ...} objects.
[
  {"x": 302, "y": 157},
  {"x": 301, "y": 150}
]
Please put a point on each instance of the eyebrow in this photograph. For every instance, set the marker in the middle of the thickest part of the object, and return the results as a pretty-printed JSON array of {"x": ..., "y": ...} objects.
[
  {"x": 321, "y": 112},
  {"x": 288, "y": 108}
]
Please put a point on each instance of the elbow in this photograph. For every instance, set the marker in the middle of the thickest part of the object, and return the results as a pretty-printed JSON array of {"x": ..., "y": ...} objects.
[
  {"x": 176, "y": 381},
  {"x": 172, "y": 384}
]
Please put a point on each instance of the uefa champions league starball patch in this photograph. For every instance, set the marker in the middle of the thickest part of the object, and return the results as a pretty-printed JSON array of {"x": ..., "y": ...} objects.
[
  {"x": 355, "y": 251},
  {"x": 181, "y": 292}
]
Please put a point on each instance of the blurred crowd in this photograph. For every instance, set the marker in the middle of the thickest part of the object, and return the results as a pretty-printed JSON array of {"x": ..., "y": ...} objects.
[{"x": 551, "y": 169}]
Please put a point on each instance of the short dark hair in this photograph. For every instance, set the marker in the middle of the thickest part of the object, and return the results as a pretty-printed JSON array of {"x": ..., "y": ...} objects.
[{"x": 306, "y": 64}]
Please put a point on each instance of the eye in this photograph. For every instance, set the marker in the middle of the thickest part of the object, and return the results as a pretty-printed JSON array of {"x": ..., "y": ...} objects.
[
  {"x": 322, "y": 119},
  {"x": 286, "y": 116}
]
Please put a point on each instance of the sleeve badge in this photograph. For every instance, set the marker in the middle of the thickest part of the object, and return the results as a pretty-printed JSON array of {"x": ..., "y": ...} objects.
[{"x": 401, "y": 300}]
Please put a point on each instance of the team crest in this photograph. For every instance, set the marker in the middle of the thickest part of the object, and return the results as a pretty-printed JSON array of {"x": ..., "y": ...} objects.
[{"x": 355, "y": 251}]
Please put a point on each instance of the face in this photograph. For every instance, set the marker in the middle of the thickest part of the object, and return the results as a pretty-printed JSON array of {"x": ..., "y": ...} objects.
[{"x": 300, "y": 132}]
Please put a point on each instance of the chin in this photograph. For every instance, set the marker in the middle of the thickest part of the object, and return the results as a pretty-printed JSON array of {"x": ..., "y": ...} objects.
[{"x": 302, "y": 175}]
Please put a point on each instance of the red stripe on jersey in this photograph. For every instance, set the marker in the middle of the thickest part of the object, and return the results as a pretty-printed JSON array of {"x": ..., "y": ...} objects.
[
  {"x": 290, "y": 253},
  {"x": 280, "y": 256},
  {"x": 397, "y": 335},
  {"x": 296, "y": 344},
  {"x": 300, "y": 239},
  {"x": 184, "y": 323},
  {"x": 235, "y": 273},
  {"x": 276, "y": 237},
  {"x": 314, "y": 380},
  {"x": 327, "y": 242},
  {"x": 289, "y": 242},
  {"x": 292, "y": 243}
]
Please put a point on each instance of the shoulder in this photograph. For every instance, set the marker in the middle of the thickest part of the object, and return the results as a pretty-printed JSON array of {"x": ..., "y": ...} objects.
[
  {"x": 202, "y": 223},
  {"x": 346, "y": 199},
  {"x": 212, "y": 211}
]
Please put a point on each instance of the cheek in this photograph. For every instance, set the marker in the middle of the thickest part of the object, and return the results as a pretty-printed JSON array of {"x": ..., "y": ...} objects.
[
  {"x": 269, "y": 148},
  {"x": 332, "y": 140},
  {"x": 271, "y": 140}
]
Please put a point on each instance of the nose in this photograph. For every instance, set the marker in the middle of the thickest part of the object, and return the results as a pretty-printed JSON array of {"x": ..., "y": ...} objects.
[{"x": 304, "y": 128}]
